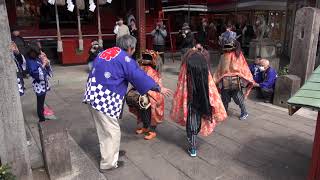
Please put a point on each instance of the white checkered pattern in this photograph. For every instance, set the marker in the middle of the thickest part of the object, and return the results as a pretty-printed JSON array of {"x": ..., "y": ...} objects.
[
  {"x": 20, "y": 87},
  {"x": 41, "y": 87},
  {"x": 102, "y": 99}
]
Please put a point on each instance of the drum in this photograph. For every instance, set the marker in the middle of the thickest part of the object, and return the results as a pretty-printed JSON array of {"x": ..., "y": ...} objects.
[
  {"x": 231, "y": 83},
  {"x": 134, "y": 99}
]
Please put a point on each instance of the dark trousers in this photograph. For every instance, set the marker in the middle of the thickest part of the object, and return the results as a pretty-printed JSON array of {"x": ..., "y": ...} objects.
[
  {"x": 40, "y": 107},
  {"x": 160, "y": 48},
  {"x": 193, "y": 126},
  {"x": 146, "y": 119},
  {"x": 267, "y": 94},
  {"x": 236, "y": 95}
]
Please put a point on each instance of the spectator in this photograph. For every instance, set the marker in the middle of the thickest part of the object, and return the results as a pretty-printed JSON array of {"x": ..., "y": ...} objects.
[
  {"x": 203, "y": 33},
  {"x": 22, "y": 47},
  {"x": 239, "y": 33},
  {"x": 248, "y": 35},
  {"x": 121, "y": 29},
  {"x": 187, "y": 38},
  {"x": 159, "y": 35},
  {"x": 255, "y": 70},
  {"x": 133, "y": 28},
  {"x": 93, "y": 53},
  {"x": 19, "y": 63},
  {"x": 19, "y": 41},
  {"x": 269, "y": 77},
  {"x": 39, "y": 69}
]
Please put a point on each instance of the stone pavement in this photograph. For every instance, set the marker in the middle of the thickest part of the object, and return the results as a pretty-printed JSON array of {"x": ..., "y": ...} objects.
[{"x": 269, "y": 145}]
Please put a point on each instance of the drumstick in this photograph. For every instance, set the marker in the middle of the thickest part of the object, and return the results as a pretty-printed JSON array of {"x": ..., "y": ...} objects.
[{"x": 151, "y": 97}]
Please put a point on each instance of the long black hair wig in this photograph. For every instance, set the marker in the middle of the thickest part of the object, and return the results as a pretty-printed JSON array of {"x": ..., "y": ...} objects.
[{"x": 197, "y": 82}]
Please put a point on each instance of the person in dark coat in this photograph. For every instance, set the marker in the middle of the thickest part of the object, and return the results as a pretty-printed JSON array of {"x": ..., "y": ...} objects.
[
  {"x": 187, "y": 38},
  {"x": 203, "y": 33}
]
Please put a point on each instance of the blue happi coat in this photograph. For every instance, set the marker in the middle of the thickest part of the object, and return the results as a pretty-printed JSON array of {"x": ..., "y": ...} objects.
[
  {"x": 108, "y": 81},
  {"x": 256, "y": 73},
  {"x": 269, "y": 79},
  {"x": 40, "y": 76},
  {"x": 19, "y": 67}
]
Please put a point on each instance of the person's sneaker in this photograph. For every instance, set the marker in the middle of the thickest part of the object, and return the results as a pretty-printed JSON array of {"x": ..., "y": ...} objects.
[
  {"x": 47, "y": 111},
  {"x": 243, "y": 116},
  {"x": 119, "y": 165},
  {"x": 142, "y": 130},
  {"x": 150, "y": 135},
  {"x": 122, "y": 153},
  {"x": 267, "y": 101},
  {"x": 192, "y": 152}
]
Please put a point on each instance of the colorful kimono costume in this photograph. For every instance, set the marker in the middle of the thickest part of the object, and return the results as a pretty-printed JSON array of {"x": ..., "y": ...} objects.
[
  {"x": 232, "y": 66},
  {"x": 40, "y": 83},
  {"x": 152, "y": 116},
  {"x": 106, "y": 87},
  {"x": 198, "y": 111},
  {"x": 233, "y": 73},
  {"x": 19, "y": 64}
]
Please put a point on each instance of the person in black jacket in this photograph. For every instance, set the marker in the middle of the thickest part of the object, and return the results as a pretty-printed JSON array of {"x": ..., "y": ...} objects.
[
  {"x": 203, "y": 33},
  {"x": 187, "y": 38}
]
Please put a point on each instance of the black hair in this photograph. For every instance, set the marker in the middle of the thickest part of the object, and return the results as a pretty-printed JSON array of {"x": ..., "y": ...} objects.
[
  {"x": 33, "y": 47},
  {"x": 198, "y": 88}
]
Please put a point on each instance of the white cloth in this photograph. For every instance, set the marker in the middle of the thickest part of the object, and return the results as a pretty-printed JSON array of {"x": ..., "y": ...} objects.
[
  {"x": 116, "y": 29},
  {"x": 109, "y": 135}
]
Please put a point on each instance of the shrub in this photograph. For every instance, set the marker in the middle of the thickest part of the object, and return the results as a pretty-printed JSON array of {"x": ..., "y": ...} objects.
[
  {"x": 284, "y": 71},
  {"x": 5, "y": 173}
]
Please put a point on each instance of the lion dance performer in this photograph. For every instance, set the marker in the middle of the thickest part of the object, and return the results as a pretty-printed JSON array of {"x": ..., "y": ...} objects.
[
  {"x": 233, "y": 73},
  {"x": 152, "y": 115},
  {"x": 196, "y": 103}
]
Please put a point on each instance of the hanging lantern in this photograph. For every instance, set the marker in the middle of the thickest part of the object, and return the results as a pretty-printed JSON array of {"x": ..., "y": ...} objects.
[{"x": 92, "y": 6}]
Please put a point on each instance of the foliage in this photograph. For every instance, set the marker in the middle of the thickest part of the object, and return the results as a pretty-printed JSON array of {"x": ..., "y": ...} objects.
[
  {"x": 284, "y": 71},
  {"x": 5, "y": 173}
]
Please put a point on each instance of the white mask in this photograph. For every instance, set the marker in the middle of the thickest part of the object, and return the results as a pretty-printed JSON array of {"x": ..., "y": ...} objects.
[{"x": 262, "y": 68}]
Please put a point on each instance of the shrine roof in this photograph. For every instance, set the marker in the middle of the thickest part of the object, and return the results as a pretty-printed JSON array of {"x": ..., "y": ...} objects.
[{"x": 308, "y": 95}]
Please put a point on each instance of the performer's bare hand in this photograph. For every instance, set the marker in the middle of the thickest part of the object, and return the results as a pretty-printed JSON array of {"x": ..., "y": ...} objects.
[
  {"x": 256, "y": 85},
  {"x": 166, "y": 92}
]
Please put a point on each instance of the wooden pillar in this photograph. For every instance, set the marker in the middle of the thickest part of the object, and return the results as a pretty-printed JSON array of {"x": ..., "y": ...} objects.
[
  {"x": 13, "y": 141},
  {"x": 141, "y": 17},
  {"x": 314, "y": 171}
]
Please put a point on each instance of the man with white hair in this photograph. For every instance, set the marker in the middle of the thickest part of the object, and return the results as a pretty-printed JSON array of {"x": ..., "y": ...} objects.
[
  {"x": 106, "y": 87},
  {"x": 267, "y": 84}
]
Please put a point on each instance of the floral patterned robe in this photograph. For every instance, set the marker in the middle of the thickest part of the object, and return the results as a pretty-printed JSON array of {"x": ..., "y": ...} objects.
[
  {"x": 156, "y": 99},
  {"x": 231, "y": 65},
  {"x": 179, "y": 110}
]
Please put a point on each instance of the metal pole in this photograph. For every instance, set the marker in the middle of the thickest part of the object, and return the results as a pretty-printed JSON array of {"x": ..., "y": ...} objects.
[
  {"x": 79, "y": 30},
  {"x": 59, "y": 46},
  {"x": 189, "y": 12},
  {"x": 99, "y": 25}
]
